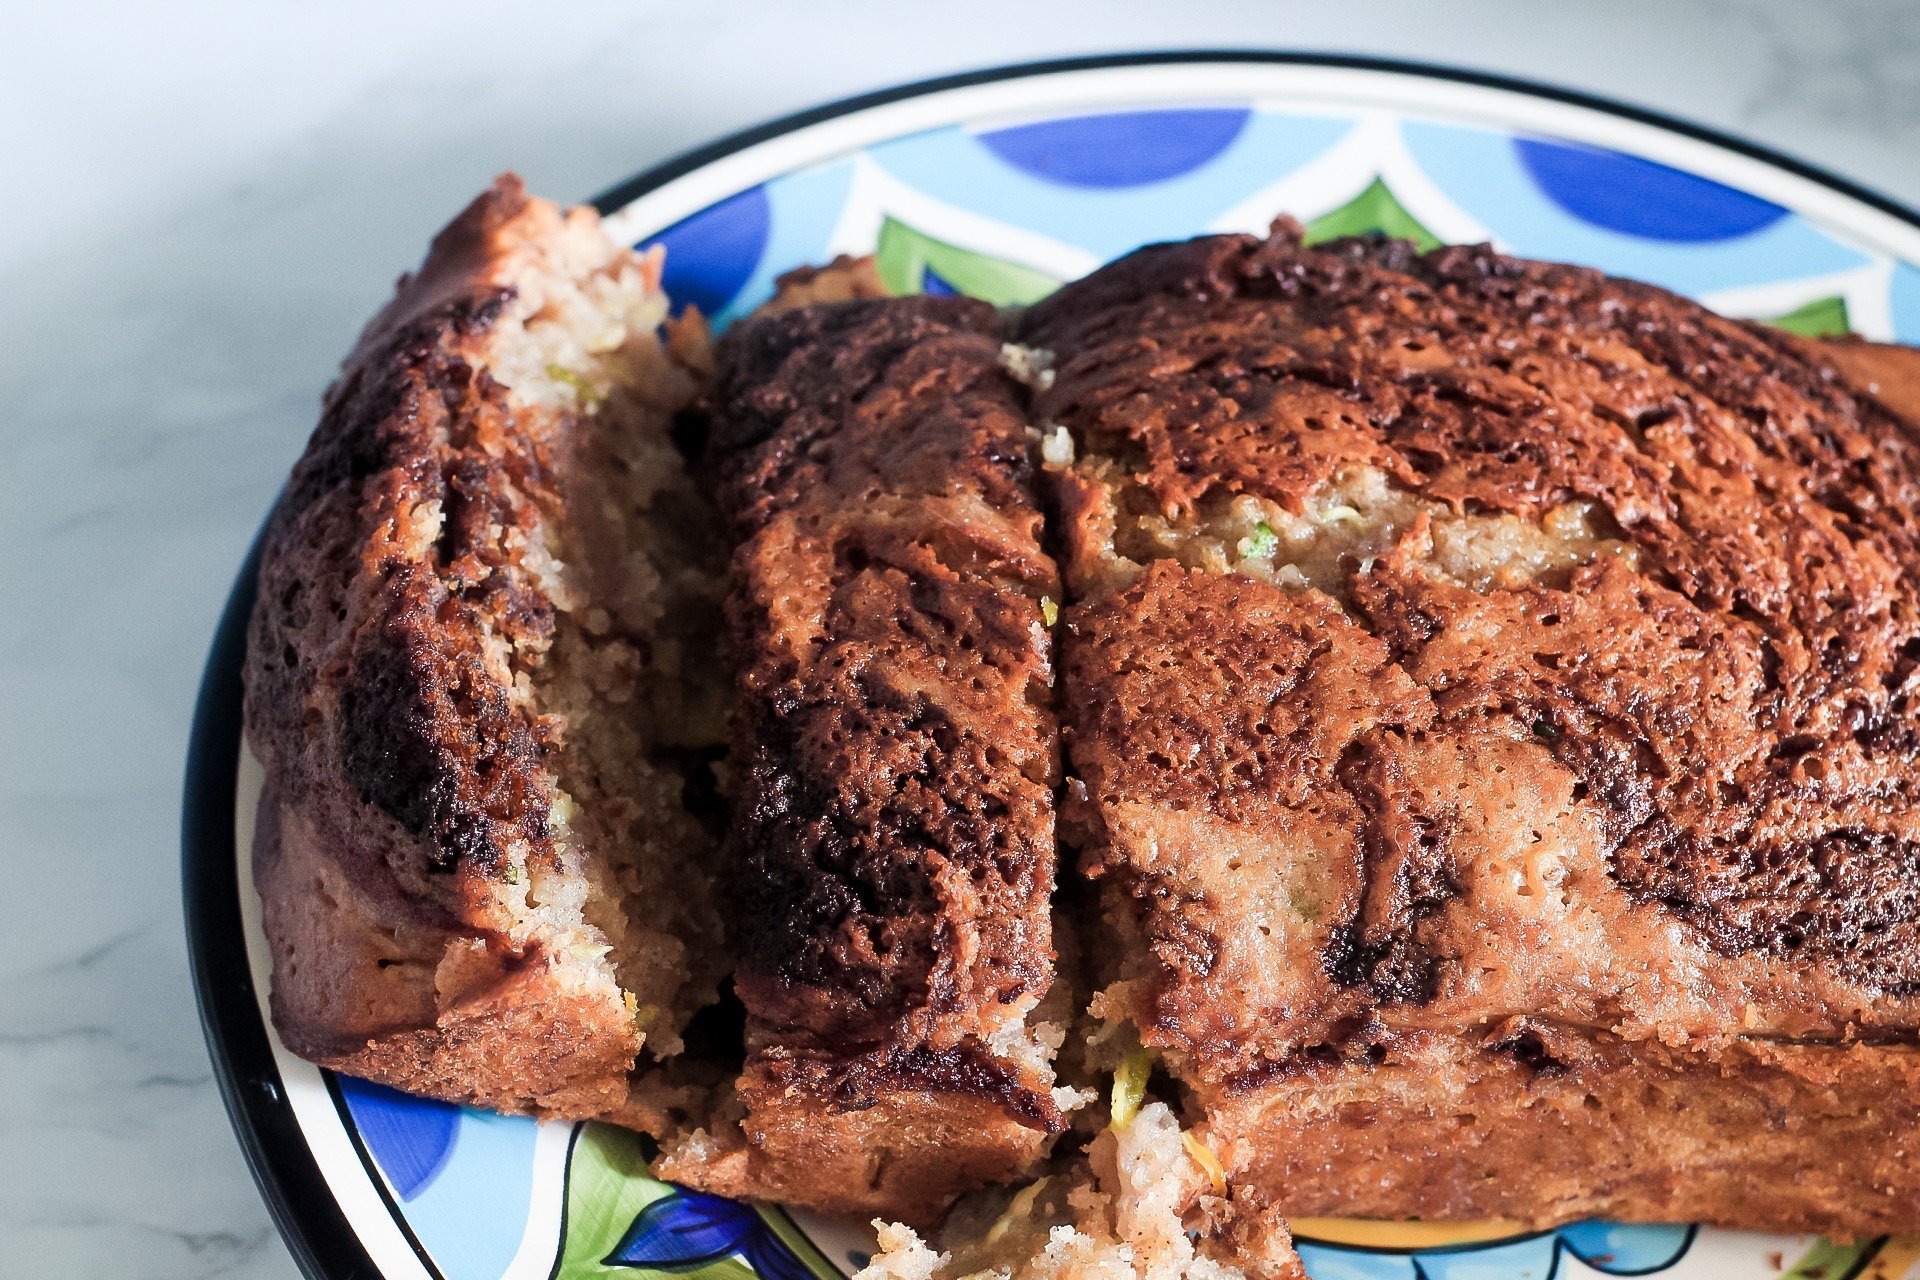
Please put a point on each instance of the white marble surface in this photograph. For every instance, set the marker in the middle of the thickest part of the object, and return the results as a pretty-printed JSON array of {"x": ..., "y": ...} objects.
[{"x": 208, "y": 197}]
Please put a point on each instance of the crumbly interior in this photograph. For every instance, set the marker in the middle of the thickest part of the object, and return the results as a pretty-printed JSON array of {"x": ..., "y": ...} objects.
[
  {"x": 1355, "y": 517},
  {"x": 1138, "y": 1204},
  {"x": 631, "y": 674}
]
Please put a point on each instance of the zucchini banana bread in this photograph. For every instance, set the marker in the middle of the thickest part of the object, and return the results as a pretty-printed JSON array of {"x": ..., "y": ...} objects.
[{"x": 1441, "y": 726}]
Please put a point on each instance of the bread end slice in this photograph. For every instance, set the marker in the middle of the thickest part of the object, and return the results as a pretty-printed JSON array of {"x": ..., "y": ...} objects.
[{"x": 474, "y": 685}]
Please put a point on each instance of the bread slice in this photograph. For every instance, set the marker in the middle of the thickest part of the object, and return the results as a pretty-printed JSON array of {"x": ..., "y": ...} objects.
[
  {"x": 895, "y": 756},
  {"x": 480, "y": 680},
  {"x": 1491, "y": 698}
]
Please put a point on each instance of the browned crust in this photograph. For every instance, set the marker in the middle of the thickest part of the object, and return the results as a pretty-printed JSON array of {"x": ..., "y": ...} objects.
[
  {"x": 431, "y": 1010},
  {"x": 842, "y": 280},
  {"x": 899, "y": 1136},
  {"x": 1212, "y": 720},
  {"x": 405, "y": 778},
  {"x": 1544, "y": 1124},
  {"x": 1735, "y": 710},
  {"x": 1887, "y": 373},
  {"x": 895, "y": 746}
]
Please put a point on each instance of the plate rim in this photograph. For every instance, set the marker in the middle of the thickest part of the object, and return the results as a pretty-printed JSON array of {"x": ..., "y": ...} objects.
[
  {"x": 298, "y": 1196},
  {"x": 646, "y": 181}
]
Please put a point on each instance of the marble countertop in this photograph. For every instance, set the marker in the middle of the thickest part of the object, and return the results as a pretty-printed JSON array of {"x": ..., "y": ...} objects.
[{"x": 210, "y": 198}]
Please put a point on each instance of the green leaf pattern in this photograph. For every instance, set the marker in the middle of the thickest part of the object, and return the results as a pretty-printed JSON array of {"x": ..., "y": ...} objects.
[
  {"x": 904, "y": 255},
  {"x": 607, "y": 1186},
  {"x": 1821, "y": 318},
  {"x": 1375, "y": 210},
  {"x": 1829, "y": 1261}
]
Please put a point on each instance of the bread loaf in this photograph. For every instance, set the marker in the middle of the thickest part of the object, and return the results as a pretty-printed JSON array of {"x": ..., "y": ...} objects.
[{"x": 1441, "y": 727}]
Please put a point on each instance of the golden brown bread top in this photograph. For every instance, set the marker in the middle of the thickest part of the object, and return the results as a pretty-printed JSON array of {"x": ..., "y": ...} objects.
[
  {"x": 1667, "y": 783},
  {"x": 1877, "y": 370},
  {"x": 896, "y": 746}
]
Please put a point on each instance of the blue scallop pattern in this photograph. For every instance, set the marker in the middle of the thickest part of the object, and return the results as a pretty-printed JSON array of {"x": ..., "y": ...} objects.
[
  {"x": 1612, "y": 1249},
  {"x": 1480, "y": 171},
  {"x": 1905, "y": 301},
  {"x": 410, "y": 1138},
  {"x": 711, "y": 254},
  {"x": 465, "y": 1177},
  {"x": 805, "y": 208},
  {"x": 1637, "y": 197},
  {"x": 1121, "y": 148},
  {"x": 958, "y": 168}
]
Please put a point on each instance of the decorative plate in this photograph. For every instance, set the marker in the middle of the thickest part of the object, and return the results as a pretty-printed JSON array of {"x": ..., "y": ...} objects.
[{"x": 1002, "y": 185}]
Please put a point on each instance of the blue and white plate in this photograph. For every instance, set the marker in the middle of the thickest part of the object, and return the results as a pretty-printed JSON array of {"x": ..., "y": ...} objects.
[{"x": 1002, "y": 185}]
